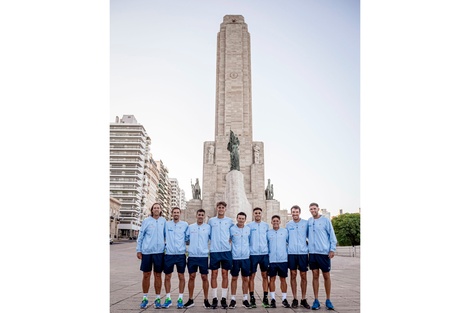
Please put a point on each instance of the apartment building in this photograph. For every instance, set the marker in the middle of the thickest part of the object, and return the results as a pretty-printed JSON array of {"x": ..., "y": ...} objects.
[
  {"x": 164, "y": 189},
  {"x": 175, "y": 193},
  {"x": 129, "y": 162}
]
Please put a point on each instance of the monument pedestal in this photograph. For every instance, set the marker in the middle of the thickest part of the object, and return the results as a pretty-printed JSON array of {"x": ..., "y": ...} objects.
[
  {"x": 235, "y": 196},
  {"x": 189, "y": 214}
]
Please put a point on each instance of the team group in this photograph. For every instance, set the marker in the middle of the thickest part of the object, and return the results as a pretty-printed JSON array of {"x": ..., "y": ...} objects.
[{"x": 161, "y": 245}]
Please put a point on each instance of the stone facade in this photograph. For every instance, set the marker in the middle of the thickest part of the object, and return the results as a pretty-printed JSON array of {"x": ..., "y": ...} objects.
[{"x": 114, "y": 208}]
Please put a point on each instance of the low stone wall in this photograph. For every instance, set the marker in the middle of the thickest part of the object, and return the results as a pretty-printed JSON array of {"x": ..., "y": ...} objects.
[{"x": 349, "y": 251}]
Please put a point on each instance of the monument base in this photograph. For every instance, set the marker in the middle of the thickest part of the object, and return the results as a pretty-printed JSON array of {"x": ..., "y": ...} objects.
[
  {"x": 189, "y": 215},
  {"x": 235, "y": 196}
]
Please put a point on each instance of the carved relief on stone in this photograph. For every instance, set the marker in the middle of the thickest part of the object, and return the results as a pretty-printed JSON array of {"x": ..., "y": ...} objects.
[
  {"x": 256, "y": 154},
  {"x": 210, "y": 154}
]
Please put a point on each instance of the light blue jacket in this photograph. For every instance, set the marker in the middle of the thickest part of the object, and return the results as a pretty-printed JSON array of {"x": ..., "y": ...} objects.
[
  {"x": 175, "y": 237},
  {"x": 220, "y": 234},
  {"x": 198, "y": 237},
  {"x": 321, "y": 236},
  {"x": 298, "y": 233},
  {"x": 277, "y": 242},
  {"x": 151, "y": 237},
  {"x": 258, "y": 238},
  {"x": 240, "y": 242}
]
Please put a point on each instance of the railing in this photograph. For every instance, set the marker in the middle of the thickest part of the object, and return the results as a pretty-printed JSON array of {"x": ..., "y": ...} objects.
[{"x": 349, "y": 251}]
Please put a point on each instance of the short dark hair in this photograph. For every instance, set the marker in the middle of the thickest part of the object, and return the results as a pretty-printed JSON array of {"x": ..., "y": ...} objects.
[
  {"x": 313, "y": 203},
  {"x": 175, "y": 208},
  {"x": 242, "y": 213},
  {"x": 275, "y": 216},
  {"x": 221, "y": 202},
  {"x": 200, "y": 210},
  {"x": 295, "y": 207},
  {"x": 257, "y": 209}
]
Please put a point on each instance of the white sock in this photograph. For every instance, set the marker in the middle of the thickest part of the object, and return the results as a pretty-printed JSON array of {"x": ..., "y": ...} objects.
[
  {"x": 157, "y": 297},
  {"x": 168, "y": 296},
  {"x": 233, "y": 297},
  {"x": 224, "y": 292},
  {"x": 245, "y": 297},
  {"x": 180, "y": 296},
  {"x": 284, "y": 295},
  {"x": 214, "y": 293},
  {"x": 145, "y": 296},
  {"x": 273, "y": 295}
]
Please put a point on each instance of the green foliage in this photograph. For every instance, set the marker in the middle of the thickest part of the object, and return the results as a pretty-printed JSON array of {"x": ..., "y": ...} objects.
[{"x": 347, "y": 229}]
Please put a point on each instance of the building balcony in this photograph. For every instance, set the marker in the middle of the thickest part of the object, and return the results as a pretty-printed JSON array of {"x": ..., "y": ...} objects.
[
  {"x": 131, "y": 188},
  {"x": 131, "y": 161},
  {"x": 135, "y": 174}
]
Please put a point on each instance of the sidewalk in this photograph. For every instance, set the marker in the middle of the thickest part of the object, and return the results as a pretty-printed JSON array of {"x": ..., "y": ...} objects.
[{"x": 126, "y": 286}]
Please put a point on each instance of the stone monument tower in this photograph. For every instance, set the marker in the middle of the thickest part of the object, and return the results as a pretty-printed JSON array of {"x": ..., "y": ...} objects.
[{"x": 242, "y": 189}]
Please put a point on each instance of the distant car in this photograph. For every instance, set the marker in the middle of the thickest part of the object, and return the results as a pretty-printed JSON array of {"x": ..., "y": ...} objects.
[{"x": 110, "y": 240}]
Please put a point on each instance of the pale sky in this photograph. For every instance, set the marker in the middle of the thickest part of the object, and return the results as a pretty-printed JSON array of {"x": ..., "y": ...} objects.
[{"x": 305, "y": 87}]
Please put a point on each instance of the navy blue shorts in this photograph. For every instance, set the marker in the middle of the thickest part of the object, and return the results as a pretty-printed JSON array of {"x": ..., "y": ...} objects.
[
  {"x": 198, "y": 262},
  {"x": 262, "y": 260},
  {"x": 220, "y": 259},
  {"x": 243, "y": 265},
  {"x": 298, "y": 262},
  {"x": 279, "y": 269},
  {"x": 319, "y": 261},
  {"x": 174, "y": 259},
  {"x": 152, "y": 260}
]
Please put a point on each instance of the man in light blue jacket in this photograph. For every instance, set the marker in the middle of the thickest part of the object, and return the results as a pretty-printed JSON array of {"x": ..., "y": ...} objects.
[
  {"x": 298, "y": 255},
  {"x": 240, "y": 236},
  {"x": 259, "y": 255},
  {"x": 175, "y": 254},
  {"x": 150, "y": 248},
  {"x": 321, "y": 248},
  {"x": 220, "y": 252},
  {"x": 198, "y": 235},
  {"x": 277, "y": 242}
]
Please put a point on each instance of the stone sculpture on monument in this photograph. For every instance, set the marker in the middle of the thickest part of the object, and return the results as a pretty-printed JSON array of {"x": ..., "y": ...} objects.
[
  {"x": 269, "y": 192},
  {"x": 196, "y": 189}
]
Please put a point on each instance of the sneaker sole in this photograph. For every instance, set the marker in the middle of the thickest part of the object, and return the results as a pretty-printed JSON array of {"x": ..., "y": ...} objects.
[
  {"x": 316, "y": 308},
  {"x": 189, "y": 306},
  {"x": 232, "y": 307},
  {"x": 166, "y": 307}
]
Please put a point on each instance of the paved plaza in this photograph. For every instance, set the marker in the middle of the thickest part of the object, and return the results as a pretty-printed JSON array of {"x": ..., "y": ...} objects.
[{"x": 126, "y": 286}]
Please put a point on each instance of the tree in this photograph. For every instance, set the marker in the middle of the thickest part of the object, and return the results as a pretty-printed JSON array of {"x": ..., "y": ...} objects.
[{"x": 347, "y": 229}]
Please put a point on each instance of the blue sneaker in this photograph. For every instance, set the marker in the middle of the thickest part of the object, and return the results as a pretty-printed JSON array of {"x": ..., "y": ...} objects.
[
  {"x": 167, "y": 303},
  {"x": 157, "y": 304},
  {"x": 179, "y": 304},
  {"x": 329, "y": 305},
  {"x": 316, "y": 305},
  {"x": 144, "y": 303}
]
